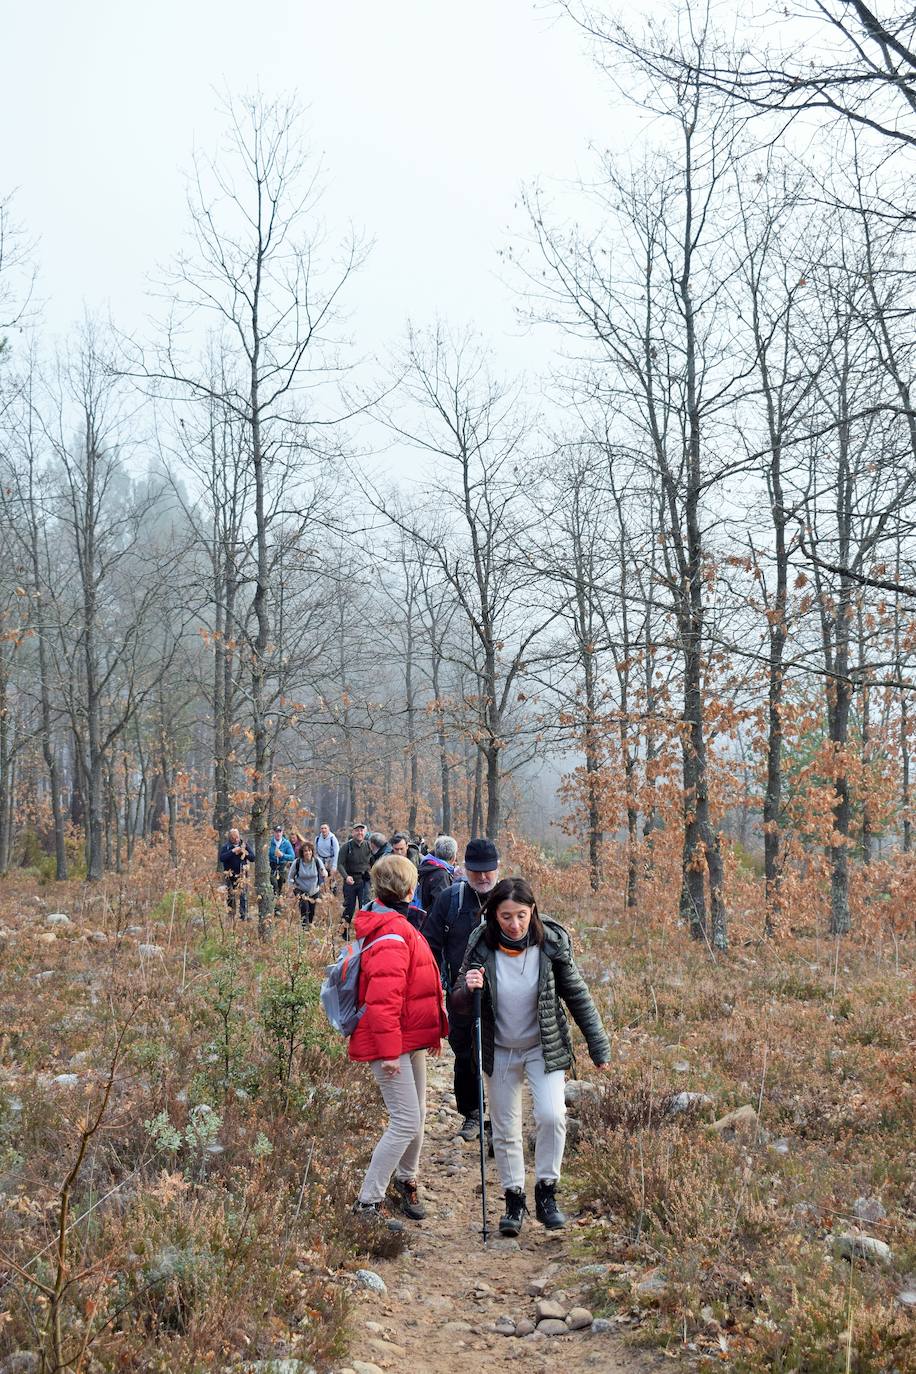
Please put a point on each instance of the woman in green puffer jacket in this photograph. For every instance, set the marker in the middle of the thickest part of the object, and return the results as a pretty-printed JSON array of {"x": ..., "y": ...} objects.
[{"x": 524, "y": 966}]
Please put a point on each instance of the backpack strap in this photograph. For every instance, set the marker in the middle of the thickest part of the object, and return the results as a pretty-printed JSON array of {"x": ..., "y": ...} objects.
[{"x": 455, "y": 898}]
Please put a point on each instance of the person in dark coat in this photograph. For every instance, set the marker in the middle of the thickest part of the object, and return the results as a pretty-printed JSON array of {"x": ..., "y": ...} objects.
[
  {"x": 524, "y": 966},
  {"x": 379, "y": 848},
  {"x": 234, "y": 858},
  {"x": 437, "y": 871},
  {"x": 455, "y": 913},
  {"x": 403, "y": 845},
  {"x": 353, "y": 863}
]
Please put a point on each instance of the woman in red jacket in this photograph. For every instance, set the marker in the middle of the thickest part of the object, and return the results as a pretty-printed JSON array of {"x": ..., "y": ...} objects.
[{"x": 400, "y": 988}]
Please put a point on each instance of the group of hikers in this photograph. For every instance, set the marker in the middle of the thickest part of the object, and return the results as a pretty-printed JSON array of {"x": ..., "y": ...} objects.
[
  {"x": 314, "y": 868},
  {"x": 441, "y": 945}
]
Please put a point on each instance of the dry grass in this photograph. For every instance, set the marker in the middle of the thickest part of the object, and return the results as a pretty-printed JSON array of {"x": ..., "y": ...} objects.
[
  {"x": 209, "y": 1219},
  {"x": 182, "y": 1257},
  {"x": 823, "y": 1041}
]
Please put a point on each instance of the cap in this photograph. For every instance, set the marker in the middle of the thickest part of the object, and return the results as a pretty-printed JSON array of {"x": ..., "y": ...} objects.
[
  {"x": 357, "y": 825},
  {"x": 481, "y": 856}
]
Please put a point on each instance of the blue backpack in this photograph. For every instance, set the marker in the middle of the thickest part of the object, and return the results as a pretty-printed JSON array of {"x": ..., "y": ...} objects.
[{"x": 340, "y": 989}]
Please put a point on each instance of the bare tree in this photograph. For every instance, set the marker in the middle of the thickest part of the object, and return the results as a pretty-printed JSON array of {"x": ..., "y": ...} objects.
[
  {"x": 456, "y": 412},
  {"x": 256, "y": 271}
]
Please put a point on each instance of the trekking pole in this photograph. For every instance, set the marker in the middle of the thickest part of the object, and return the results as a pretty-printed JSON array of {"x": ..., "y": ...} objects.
[{"x": 485, "y": 1230}]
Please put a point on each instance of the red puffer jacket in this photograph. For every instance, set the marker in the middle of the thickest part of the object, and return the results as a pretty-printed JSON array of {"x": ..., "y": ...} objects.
[{"x": 399, "y": 985}]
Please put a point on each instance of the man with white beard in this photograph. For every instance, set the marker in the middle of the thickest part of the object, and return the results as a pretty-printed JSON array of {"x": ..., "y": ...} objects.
[{"x": 454, "y": 914}]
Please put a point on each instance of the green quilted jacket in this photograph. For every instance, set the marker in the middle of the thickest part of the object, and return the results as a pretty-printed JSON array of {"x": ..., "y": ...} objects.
[{"x": 559, "y": 979}]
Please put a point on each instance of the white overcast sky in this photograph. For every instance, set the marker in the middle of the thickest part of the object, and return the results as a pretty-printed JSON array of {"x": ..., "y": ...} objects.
[{"x": 429, "y": 114}]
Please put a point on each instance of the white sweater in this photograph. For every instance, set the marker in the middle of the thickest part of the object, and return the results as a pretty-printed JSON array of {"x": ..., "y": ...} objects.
[{"x": 517, "y": 999}]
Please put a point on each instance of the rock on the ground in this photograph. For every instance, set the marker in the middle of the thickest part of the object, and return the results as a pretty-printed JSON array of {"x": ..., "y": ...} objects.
[
  {"x": 504, "y": 1326},
  {"x": 600, "y": 1326},
  {"x": 869, "y": 1209},
  {"x": 547, "y": 1308},
  {"x": 367, "y": 1278},
  {"x": 683, "y": 1101},
  {"x": 524, "y": 1327},
  {"x": 278, "y": 1366},
  {"x": 856, "y": 1245},
  {"x": 653, "y": 1287},
  {"x": 364, "y": 1367},
  {"x": 681, "y": 1066},
  {"x": 592, "y": 1271},
  {"x": 149, "y": 951},
  {"x": 57, "y": 918},
  {"x": 577, "y": 1092},
  {"x": 578, "y": 1319},
  {"x": 404, "y": 1294},
  {"x": 98, "y": 937},
  {"x": 742, "y": 1121},
  {"x": 552, "y": 1326},
  {"x": 457, "y": 1328},
  {"x": 503, "y": 1243},
  {"x": 66, "y": 1080},
  {"x": 907, "y": 1298},
  {"x": 389, "y": 1349}
]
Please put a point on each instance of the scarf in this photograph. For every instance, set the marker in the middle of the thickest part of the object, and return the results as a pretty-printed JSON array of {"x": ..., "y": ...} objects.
[{"x": 514, "y": 947}]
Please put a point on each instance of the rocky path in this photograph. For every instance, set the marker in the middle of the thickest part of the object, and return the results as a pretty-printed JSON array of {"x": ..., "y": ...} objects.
[{"x": 446, "y": 1293}]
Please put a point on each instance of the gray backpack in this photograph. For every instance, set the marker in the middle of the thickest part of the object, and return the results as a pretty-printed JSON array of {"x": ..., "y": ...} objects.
[{"x": 340, "y": 989}]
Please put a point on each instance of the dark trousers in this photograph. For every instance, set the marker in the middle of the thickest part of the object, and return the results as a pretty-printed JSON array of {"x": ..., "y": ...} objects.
[
  {"x": 357, "y": 892},
  {"x": 461, "y": 1038},
  {"x": 237, "y": 895},
  {"x": 307, "y": 908}
]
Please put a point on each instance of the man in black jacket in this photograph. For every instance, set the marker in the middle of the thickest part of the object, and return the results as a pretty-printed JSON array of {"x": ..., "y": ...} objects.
[
  {"x": 353, "y": 864},
  {"x": 455, "y": 913},
  {"x": 234, "y": 858}
]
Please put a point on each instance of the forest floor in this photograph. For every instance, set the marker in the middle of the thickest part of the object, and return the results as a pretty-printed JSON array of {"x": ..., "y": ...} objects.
[{"x": 207, "y": 1225}]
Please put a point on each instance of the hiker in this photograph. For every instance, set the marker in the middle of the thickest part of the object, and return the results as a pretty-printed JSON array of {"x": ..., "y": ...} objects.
[
  {"x": 437, "y": 871},
  {"x": 379, "y": 848},
  {"x": 234, "y": 858},
  {"x": 307, "y": 875},
  {"x": 454, "y": 914},
  {"x": 404, "y": 1017},
  {"x": 327, "y": 848},
  {"x": 280, "y": 855},
  {"x": 297, "y": 840},
  {"x": 524, "y": 964},
  {"x": 353, "y": 862},
  {"x": 402, "y": 844}
]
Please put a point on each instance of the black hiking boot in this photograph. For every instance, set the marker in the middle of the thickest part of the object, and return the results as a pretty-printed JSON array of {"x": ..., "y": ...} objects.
[
  {"x": 545, "y": 1206},
  {"x": 511, "y": 1223},
  {"x": 373, "y": 1213},
  {"x": 407, "y": 1199},
  {"x": 470, "y": 1126}
]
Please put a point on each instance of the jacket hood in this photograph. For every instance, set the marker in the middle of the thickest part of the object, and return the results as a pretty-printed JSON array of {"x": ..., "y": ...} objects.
[
  {"x": 368, "y": 924},
  {"x": 430, "y": 861}
]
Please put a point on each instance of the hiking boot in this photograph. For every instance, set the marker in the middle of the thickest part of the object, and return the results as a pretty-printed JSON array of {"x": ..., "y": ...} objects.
[
  {"x": 407, "y": 1199},
  {"x": 511, "y": 1223},
  {"x": 545, "y": 1206},
  {"x": 373, "y": 1213},
  {"x": 470, "y": 1126}
]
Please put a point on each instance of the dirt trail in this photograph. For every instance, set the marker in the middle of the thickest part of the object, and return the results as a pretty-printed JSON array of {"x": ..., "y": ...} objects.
[{"x": 430, "y": 1319}]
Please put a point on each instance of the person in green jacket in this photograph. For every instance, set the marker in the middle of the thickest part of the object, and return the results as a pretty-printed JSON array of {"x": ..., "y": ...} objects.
[{"x": 523, "y": 964}]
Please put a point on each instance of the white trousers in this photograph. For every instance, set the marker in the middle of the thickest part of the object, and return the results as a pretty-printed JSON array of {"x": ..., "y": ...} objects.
[
  {"x": 510, "y": 1070},
  {"x": 398, "y": 1151}
]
